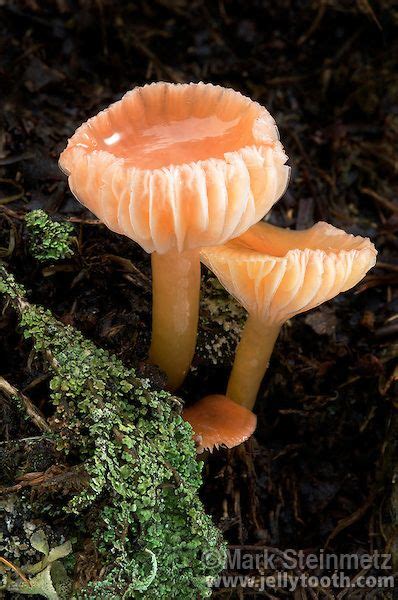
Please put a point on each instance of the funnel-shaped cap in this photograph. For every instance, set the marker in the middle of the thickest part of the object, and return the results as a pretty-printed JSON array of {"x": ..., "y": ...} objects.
[
  {"x": 178, "y": 167},
  {"x": 277, "y": 273}
]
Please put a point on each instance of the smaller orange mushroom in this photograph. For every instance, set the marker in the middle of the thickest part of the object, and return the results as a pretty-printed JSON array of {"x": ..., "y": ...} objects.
[
  {"x": 275, "y": 274},
  {"x": 214, "y": 420}
]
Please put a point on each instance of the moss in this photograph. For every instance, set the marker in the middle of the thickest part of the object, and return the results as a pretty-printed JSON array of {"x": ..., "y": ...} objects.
[
  {"x": 144, "y": 478},
  {"x": 48, "y": 240}
]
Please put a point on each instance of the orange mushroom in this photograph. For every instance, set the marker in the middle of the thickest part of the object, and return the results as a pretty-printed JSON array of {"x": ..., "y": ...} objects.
[
  {"x": 275, "y": 274},
  {"x": 176, "y": 168},
  {"x": 214, "y": 420}
]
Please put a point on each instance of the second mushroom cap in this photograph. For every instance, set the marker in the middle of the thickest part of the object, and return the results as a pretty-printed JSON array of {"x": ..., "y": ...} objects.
[{"x": 277, "y": 273}]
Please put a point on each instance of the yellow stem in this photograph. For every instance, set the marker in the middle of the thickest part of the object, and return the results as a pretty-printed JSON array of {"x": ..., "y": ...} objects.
[
  {"x": 175, "y": 310},
  {"x": 251, "y": 361}
]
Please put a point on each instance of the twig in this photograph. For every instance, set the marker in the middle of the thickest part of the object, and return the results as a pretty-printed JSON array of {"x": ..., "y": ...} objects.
[
  {"x": 11, "y": 160},
  {"x": 12, "y": 197},
  {"x": 128, "y": 266},
  {"x": 27, "y": 440},
  {"x": 314, "y": 25},
  {"x": 389, "y": 204},
  {"x": 33, "y": 412},
  {"x": 366, "y": 8},
  {"x": 84, "y": 221},
  {"x": 345, "y": 591},
  {"x": 387, "y": 266},
  {"x": 353, "y": 518},
  {"x": 54, "y": 475},
  {"x": 16, "y": 569},
  {"x": 156, "y": 61},
  {"x": 11, "y": 213}
]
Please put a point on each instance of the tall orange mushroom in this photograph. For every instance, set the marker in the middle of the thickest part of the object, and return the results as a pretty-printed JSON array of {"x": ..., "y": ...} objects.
[
  {"x": 176, "y": 168},
  {"x": 275, "y": 274}
]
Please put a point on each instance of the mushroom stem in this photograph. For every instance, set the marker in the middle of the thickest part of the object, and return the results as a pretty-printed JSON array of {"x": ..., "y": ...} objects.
[
  {"x": 251, "y": 361},
  {"x": 175, "y": 310}
]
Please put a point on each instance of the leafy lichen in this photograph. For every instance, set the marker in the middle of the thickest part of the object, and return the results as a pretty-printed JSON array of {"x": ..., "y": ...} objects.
[
  {"x": 143, "y": 475},
  {"x": 48, "y": 240},
  {"x": 48, "y": 577},
  {"x": 9, "y": 287}
]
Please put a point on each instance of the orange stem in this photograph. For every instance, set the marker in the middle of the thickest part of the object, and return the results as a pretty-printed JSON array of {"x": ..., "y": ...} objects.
[
  {"x": 175, "y": 310},
  {"x": 251, "y": 361}
]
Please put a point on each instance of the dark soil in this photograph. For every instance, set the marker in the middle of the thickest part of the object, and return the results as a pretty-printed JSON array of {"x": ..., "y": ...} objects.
[{"x": 319, "y": 472}]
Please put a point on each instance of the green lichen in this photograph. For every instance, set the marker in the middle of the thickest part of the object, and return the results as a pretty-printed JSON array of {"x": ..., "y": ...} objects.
[
  {"x": 48, "y": 577},
  {"x": 48, "y": 240},
  {"x": 144, "y": 479},
  {"x": 9, "y": 287}
]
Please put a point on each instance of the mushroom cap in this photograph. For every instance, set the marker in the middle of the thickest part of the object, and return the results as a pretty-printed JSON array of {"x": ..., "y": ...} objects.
[
  {"x": 178, "y": 166},
  {"x": 277, "y": 273},
  {"x": 218, "y": 421}
]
